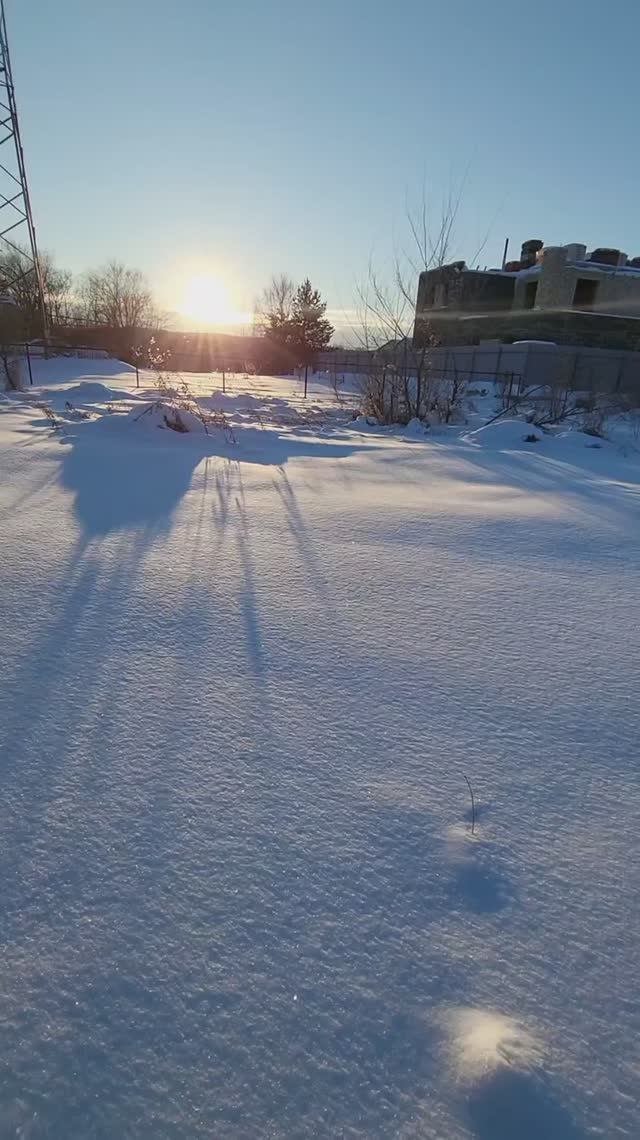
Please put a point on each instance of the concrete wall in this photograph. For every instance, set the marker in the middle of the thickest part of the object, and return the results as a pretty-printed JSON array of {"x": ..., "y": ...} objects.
[
  {"x": 617, "y": 292},
  {"x": 594, "y": 330},
  {"x": 454, "y": 290},
  {"x": 530, "y": 365},
  {"x": 343, "y": 360},
  {"x": 557, "y": 280},
  {"x": 520, "y": 291},
  {"x": 459, "y": 289},
  {"x": 573, "y": 366}
]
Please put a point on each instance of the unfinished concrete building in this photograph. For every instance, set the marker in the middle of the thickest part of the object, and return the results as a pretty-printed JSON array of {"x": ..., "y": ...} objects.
[{"x": 555, "y": 293}]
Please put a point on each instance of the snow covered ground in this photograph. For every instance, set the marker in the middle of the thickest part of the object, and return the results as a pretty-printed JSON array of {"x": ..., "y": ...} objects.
[
  {"x": 242, "y": 682},
  {"x": 62, "y": 371}
]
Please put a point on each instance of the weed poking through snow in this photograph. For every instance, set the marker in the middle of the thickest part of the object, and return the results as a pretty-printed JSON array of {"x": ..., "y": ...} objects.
[{"x": 473, "y": 804}]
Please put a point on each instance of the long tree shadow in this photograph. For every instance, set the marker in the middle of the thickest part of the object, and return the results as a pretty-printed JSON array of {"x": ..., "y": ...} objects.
[
  {"x": 125, "y": 477},
  {"x": 248, "y": 595},
  {"x": 301, "y": 534}
]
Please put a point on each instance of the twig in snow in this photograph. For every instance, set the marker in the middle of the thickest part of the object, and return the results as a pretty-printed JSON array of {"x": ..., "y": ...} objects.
[
  {"x": 145, "y": 411},
  {"x": 516, "y": 404},
  {"x": 55, "y": 423},
  {"x": 473, "y": 804}
]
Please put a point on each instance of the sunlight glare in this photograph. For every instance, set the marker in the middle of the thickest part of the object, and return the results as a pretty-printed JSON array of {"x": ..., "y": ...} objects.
[{"x": 206, "y": 301}]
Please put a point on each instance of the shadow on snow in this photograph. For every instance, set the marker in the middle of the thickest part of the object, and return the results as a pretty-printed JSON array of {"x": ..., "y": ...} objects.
[
  {"x": 508, "y": 1104},
  {"x": 128, "y": 477}
]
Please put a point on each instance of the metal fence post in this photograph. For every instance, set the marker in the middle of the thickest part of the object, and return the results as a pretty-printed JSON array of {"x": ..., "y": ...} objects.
[
  {"x": 620, "y": 373},
  {"x": 28, "y": 355},
  {"x": 510, "y": 392}
]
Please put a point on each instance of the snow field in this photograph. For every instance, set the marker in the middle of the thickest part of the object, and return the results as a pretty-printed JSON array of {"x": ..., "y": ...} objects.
[{"x": 240, "y": 687}]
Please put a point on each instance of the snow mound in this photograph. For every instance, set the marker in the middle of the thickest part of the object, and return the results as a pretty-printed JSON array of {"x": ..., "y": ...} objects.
[
  {"x": 362, "y": 422},
  {"x": 90, "y": 392},
  {"x": 482, "y": 1040},
  {"x": 90, "y": 395},
  {"x": 69, "y": 369},
  {"x": 504, "y": 433},
  {"x": 416, "y": 429}
]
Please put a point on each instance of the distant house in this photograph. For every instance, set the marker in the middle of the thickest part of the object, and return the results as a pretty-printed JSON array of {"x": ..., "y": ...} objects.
[{"x": 556, "y": 293}]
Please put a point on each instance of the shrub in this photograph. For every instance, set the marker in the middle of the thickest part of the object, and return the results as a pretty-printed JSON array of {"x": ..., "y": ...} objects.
[
  {"x": 585, "y": 403},
  {"x": 593, "y": 422},
  {"x": 399, "y": 393}
]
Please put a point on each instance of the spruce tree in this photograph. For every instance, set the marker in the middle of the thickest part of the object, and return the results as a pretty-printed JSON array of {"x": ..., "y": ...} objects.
[{"x": 310, "y": 330}]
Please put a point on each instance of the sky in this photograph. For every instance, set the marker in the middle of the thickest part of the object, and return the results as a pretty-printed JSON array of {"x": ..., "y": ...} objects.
[{"x": 253, "y": 137}]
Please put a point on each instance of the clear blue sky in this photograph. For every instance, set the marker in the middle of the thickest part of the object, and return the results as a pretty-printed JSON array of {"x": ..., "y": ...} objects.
[{"x": 263, "y": 135}]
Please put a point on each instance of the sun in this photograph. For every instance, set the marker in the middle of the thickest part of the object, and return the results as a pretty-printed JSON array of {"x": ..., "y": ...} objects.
[
  {"x": 206, "y": 300},
  {"x": 206, "y": 303}
]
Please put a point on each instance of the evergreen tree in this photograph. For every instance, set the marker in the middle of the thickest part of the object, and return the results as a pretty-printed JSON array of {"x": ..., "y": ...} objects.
[{"x": 310, "y": 331}]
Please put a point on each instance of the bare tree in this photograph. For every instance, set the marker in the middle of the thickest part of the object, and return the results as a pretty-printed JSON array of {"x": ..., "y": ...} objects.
[
  {"x": 117, "y": 297},
  {"x": 402, "y": 382},
  {"x": 274, "y": 312},
  {"x": 18, "y": 281},
  {"x": 397, "y": 381},
  {"x": 275, "y": 304}
]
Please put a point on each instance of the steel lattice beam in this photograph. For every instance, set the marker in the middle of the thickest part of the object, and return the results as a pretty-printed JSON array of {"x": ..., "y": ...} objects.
[{"x": 12, "y": 174}]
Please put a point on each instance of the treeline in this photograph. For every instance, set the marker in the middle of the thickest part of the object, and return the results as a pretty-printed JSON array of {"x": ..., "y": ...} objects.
[
  {"x": 113, "y": 308},
  {"x": 113, "y": 296}
]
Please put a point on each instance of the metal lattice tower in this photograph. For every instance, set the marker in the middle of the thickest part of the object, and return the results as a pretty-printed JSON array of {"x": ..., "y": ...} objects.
[{"x": 16, "y": 217}]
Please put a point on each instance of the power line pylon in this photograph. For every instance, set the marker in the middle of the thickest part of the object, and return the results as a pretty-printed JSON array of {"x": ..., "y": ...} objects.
[{"x": 16, "y": 217}]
